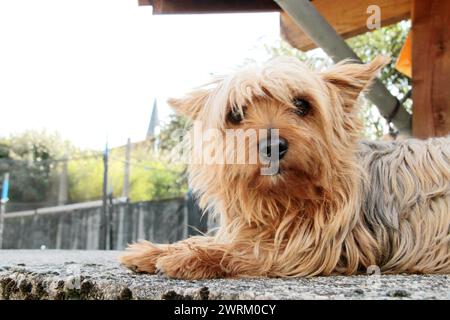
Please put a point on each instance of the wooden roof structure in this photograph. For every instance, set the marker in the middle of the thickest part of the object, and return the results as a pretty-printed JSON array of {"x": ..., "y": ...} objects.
[
  {"x": 430, "y": 41},
  {"x": 344, "y": 15}
]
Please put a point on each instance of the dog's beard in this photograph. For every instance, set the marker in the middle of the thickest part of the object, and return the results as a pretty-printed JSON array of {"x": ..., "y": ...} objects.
[{"x": 289, "y": 180}]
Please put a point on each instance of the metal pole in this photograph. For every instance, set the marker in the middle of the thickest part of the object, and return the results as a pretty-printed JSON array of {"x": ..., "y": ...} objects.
[
  {"x": 104, "y": 215},
  {"x": 4, "y": 199},
  {"x": 63, "y": 181},
  {"x": 323, "y": 34},
  {"x": 110, "y": 219},
  {"x": 126, "y": 176}
]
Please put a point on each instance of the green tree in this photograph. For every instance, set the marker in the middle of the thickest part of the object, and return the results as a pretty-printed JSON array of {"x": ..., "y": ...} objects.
[
  {"x": 85, "y": 177},
  {"x": 153, "y": 175},
  {"x": 30, "y": 157},
  {"x": 171, "y": 133}
]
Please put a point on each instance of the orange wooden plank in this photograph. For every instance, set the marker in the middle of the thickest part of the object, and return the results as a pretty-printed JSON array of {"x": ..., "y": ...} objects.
[
  {"x": 431, "y": 68},
  {"x": 348, "y": 18}
]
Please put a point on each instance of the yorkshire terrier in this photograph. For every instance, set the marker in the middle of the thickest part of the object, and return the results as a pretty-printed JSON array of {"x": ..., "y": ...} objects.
[{"x": 300, "y": 194}]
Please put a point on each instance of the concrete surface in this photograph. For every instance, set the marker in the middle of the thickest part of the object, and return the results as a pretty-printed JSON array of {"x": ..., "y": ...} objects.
[{"x": 55, "y": 274}]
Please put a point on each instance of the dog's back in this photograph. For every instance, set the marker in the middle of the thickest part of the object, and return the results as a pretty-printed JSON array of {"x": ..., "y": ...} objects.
[{"x": 406, "y": 202}]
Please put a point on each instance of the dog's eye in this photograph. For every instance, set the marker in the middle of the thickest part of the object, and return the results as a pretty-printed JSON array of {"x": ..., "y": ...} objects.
[
  {"x": 302, "y": 106},
  {"x": 235, "y": 116}
]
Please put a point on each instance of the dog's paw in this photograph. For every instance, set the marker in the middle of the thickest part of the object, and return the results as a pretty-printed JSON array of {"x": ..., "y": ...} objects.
[
  {"x": 189, "y": 265},
  {"x": 142, "y": 256}
]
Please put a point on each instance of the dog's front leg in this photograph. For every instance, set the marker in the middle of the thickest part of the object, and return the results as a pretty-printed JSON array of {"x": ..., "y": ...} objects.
[
  {"x": 196, "y": 257},
  {"x": 214, "y": 260},
  {"x": 142, "y": 256},
  {"x": 193, "y": 261}
]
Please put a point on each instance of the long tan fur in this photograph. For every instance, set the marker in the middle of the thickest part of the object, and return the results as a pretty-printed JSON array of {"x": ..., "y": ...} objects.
[{"x": 338, "y": 205}]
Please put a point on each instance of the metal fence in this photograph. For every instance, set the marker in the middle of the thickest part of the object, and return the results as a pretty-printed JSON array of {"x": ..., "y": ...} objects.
[{"x": 78, "y": 226}]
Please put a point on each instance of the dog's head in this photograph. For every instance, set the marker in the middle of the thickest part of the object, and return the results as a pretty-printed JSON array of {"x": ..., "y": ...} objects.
[{"x": 279, "y": 128}]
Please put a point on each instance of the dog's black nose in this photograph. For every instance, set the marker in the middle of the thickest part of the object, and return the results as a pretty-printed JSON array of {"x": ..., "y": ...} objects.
[
  {"x": 282, "y": 147},
  {"x": 266, "y": 146}
]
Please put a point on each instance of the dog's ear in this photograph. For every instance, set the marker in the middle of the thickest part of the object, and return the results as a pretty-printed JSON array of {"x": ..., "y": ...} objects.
[
  {"x": 191, "y": 105},
  {"x": 352, "y": 78}
]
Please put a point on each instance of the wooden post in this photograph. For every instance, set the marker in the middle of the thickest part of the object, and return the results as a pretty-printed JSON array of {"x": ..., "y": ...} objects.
[{"x": 431, "y": 67}]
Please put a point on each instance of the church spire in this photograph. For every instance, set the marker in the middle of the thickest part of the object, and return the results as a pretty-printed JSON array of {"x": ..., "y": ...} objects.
[{"x": 154, "y": 121}]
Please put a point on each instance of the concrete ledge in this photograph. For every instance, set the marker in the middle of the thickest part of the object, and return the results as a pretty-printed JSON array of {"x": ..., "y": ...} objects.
[{"x": 54, "y": 274}]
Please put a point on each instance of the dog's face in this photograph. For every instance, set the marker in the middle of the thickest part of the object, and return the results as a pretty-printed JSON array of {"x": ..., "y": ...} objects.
[{"x": 276, "y": 128}]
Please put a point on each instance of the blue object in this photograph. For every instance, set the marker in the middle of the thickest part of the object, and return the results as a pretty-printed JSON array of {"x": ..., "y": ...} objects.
[{"x": 5, "y": 189}]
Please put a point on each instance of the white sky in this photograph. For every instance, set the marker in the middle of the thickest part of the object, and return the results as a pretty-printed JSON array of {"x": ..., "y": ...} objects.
[{"x": 91, "y": 68}]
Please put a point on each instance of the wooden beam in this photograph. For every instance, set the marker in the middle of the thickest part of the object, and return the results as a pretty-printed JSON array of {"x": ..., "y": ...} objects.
[
  {"x": 144, "y": 2},
  {"x": 431, "y": 67},
  {"x": 348, "y": 18},
  {"x": 207, "y": 6}
]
